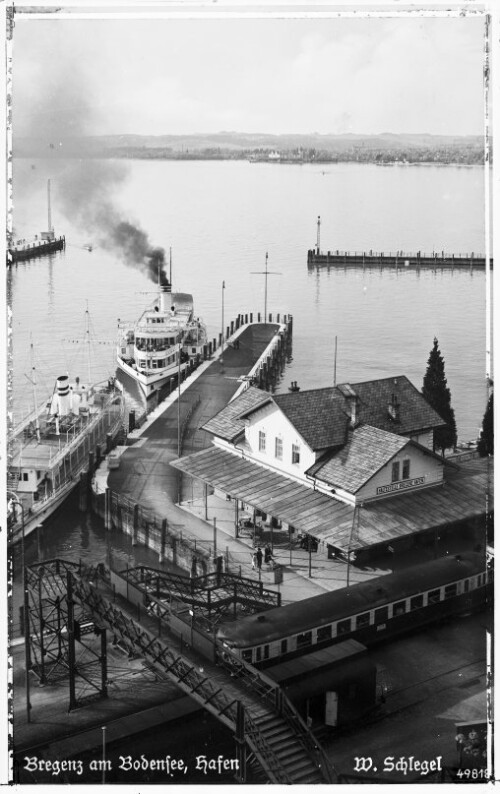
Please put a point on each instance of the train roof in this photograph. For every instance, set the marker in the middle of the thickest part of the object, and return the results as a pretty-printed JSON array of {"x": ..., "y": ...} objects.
[{"x": 338, "y": 604}]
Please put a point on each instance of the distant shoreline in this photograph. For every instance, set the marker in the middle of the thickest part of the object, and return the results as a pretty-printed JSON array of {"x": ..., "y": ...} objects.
[
  {"x": 200, "y": 156},
  {"x": 315, "y": 148}
]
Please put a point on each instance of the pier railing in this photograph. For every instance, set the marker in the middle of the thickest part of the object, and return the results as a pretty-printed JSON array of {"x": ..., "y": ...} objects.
[{"x": 399, "y": 259}]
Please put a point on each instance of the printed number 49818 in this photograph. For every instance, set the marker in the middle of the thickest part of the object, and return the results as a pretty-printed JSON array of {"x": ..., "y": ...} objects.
[{"x": 472, "y": 774}]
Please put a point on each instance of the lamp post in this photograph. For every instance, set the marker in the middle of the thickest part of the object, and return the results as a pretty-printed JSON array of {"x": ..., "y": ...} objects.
[
  {"x": 16, "y": 502},
  {"x": 222, "y": 326}
]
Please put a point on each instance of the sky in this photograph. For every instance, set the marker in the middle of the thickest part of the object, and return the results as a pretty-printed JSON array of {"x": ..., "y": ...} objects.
[{"x": 178, "y": 76}]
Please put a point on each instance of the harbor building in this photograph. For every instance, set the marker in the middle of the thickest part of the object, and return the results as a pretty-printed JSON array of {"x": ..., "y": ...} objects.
[{"x": 351, "y": 467}]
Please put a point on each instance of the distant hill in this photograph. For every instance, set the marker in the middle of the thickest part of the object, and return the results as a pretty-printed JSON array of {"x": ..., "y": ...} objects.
[{"x": 234, "y": 145}]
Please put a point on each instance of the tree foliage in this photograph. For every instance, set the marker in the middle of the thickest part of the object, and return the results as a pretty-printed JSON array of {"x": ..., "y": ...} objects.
[
  {"x": 437, "y": 394},
  {"x": 485, "y": 444}
]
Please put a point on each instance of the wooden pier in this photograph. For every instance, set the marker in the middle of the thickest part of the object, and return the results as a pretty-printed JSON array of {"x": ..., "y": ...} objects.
[
  {"x": 16, "y": 253},
  {"x": 400, "y": 260}
]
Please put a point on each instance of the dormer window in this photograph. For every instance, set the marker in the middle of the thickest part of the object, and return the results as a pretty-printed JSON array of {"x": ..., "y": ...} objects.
[
  {"x": 406, "y": 469},
  {"x": 295, "y": 453},
  {"x": 262, "y": 441},
  {"x": 395, "y": 472},
  {"x": 278, "y": 448}
]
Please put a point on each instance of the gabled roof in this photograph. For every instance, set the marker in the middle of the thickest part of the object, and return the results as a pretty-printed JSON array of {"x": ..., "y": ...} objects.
[
  {"x": 415, "y": 413},
  {"x": 322, "y": 416},
  {"x": 367, "y": 450},
  {"x": 318, "y": 415},
  {"x": 228, "y": 424}
]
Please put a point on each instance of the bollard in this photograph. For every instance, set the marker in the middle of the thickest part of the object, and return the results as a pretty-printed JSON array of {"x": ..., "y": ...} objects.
[
  {"x": 107, "y": 509},
  {"x": 83, "y": 500}
]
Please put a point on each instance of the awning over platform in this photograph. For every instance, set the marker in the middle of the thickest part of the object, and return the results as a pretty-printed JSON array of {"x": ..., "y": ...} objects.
[{"x": 463, "y": 496}]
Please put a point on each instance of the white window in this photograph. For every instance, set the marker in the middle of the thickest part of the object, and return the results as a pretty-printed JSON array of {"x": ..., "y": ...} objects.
[
  {"x": 278, "y": 448},
  {"x": 262, "y": 441},
  {"x": 295, "y": 453}
]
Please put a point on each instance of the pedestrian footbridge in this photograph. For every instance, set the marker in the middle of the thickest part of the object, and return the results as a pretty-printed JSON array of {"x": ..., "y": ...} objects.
[{"x": 142, "y": 610}]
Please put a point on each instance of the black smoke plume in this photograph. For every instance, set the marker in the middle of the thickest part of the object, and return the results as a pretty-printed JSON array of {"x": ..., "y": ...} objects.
[
  {"x": 56, "y": 114},
  {"x": 86, "y": 190}
]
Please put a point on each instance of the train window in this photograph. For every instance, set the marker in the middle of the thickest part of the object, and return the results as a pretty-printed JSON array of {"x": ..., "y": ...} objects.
[
  {"x": 344, "y": 626},
  {"x": 324, "y": 633},
  {"x": 381, "y": 614},
  {"x": 450, "y": 590},
  {"x": 258, "y": 654},
  {"x": 416, "y": 602},
  {"x": 247, "y": 656},
  {"x": 304, "y": 639},
  {"x": 399, "y": 608},
  {"x": 266, "y": 651},
  {"x": 466, "y": 585},
  {"x": 284, "y": 646},
  {"x": 362, "y": 620},
  {"x": 434, "y": 596}
]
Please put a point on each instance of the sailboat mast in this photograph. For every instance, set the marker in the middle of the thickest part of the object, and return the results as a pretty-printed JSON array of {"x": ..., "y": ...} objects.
[{"x": 48, "y": 206}]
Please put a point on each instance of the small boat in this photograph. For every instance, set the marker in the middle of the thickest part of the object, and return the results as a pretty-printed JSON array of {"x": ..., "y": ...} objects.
[
  {"x": 46, "y": 243},
  {"x": 50, "y": 448},
  {"x": 162, "y": 342}
]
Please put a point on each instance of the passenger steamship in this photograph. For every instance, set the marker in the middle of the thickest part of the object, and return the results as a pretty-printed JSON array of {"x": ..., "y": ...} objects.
[
  {"x": 162, "y": 341},
  {"x": 51, "y": 447}
]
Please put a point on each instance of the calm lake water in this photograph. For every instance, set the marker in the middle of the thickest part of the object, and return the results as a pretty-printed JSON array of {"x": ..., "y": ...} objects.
[{"x": 220, "y": 219}]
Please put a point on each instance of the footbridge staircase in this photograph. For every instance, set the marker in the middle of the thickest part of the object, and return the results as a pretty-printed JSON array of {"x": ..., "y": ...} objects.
[{"x": 62, "y": 596}]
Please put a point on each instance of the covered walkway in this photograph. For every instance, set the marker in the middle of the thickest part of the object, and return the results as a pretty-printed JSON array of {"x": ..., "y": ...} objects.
[{"x": 461, "y": 498}]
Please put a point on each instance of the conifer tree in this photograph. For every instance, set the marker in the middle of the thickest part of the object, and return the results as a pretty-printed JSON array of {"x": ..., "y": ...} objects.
[
  {"x": 485, "y": 445},
  {"x": 437, "y": 394}
]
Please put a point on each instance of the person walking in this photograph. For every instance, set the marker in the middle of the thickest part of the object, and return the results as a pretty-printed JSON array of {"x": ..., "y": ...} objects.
[
  {"x": 268, "y": 555},
  {"x": 253, "y": 556},
  {"x": 258, "y": 557}
]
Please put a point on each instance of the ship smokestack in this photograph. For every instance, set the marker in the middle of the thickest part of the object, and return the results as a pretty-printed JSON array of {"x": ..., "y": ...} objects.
[
  {"x": 61, "y": 401},
  {"x": 165, "y": 299}
]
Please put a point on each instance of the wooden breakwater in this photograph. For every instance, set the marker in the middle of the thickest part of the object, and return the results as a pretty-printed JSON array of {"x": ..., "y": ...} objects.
[{"x": 399, "y": 259}]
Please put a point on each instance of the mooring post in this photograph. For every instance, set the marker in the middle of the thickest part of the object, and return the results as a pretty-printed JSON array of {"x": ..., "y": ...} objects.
[{"x": 83, "y": 501}]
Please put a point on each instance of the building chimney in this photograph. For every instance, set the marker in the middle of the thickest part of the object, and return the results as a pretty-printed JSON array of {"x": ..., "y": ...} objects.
[
  {"x": 393, "y": 408},
  {"x": 354, "y": 410},
  {"x": 352, "y": 402}
]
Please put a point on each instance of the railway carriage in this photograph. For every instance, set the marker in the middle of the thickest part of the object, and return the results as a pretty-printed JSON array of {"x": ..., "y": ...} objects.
[{"x": 368, "y": 612}]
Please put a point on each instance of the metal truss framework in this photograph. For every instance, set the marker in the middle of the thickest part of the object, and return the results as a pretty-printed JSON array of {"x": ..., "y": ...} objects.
[{"x": 62, "y": 596}]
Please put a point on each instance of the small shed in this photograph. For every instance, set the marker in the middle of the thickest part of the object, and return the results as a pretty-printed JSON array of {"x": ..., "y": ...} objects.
[{"x": 333, "y": 686}]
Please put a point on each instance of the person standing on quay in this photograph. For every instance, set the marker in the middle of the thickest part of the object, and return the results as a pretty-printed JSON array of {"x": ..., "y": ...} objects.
[{"x": 258, "y": 557}]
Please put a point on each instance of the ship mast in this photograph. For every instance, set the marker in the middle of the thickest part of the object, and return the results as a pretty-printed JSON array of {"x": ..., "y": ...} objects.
[
  {"x": 35, "y": 396},
  {"x": 87, "y": 340}
]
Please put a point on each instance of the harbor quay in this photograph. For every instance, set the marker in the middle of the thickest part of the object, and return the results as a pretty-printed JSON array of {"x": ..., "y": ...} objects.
[{"x": 269, "y": 590}]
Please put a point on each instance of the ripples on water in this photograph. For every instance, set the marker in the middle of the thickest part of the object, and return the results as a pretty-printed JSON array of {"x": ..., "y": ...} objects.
[{"x": 220, "y": 219}]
